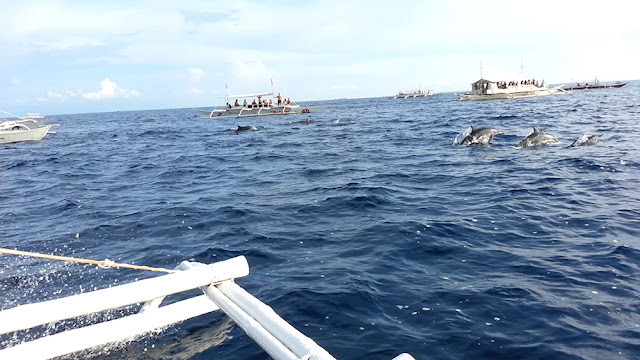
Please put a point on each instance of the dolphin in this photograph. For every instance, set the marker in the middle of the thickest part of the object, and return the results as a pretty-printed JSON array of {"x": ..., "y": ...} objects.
[
  {"x": 246, "y": 128},
  {"x": 475, "y": 135},
  {"x": 305, "y": 122},
  {"x": 586, "y": 140},
  {"x": 537, "y": 138}
]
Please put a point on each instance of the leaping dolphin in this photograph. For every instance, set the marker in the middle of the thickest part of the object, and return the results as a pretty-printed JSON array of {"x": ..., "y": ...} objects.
[
  {"x": 475, "y": 135},
  {"x": 537, "y": 138},
  {"x": 586, "y": 140}
]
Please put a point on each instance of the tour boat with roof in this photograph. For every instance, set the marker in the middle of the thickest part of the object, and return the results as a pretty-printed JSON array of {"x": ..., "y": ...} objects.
[
  {"x": 258, "y": 104},
  {"x": 486, "y": 90}
]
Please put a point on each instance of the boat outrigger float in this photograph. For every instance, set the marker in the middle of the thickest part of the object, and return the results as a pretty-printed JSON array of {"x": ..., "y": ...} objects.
[{"x": 277, "y": 337}]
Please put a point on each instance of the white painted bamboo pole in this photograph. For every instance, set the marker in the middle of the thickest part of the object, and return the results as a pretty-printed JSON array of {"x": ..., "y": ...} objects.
[
  {"x": 30, "y": 315},
  {"x": 122, "y": 329},
  {"x": 255, "y": 330},
  {"x": 302, "y": 346}
]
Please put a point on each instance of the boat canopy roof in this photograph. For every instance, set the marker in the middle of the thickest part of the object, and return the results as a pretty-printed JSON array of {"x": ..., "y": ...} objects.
[
  {"x": 251, "y": 95},
  {"x": 483, "y": 81}
]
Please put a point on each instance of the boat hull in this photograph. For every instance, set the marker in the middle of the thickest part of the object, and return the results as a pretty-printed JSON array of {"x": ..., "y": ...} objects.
[
  {"x": 412, "y": 96},
  {"x": 13, "y": 136}
]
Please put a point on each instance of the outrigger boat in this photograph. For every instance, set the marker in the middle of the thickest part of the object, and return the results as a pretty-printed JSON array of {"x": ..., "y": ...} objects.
[
  {"x": 248, "y": 109},
  {"x": 596, "y": 85},
  {"x": 406, "y": 94},
  {"x": 31, "y": 116},
  {"x": 487, "y": 90},
  {"x": 216, "y": 281}
]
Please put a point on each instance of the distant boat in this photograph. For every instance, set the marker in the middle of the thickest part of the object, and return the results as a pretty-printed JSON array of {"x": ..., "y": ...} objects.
[
  {"x": 405, "y": 94},
  {"x": 487, "y": 90},
  {"x": 31, "y": 116},
  {"x": 596, "y": 84}
]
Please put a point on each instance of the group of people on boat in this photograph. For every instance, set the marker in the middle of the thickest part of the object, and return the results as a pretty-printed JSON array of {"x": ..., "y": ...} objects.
[
  {"x": 505, "y": 85},
  {"x": 260, "y": 102}
]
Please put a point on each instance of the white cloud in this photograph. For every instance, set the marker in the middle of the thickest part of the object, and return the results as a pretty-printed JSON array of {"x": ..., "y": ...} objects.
[
  {"x": 344, "y": 87},
  {"x": 110, "y": 90},
  {"x": 55, "y": 95},
  {"x": 195, "y": 74},
  {"x": 69, "y": 43}
]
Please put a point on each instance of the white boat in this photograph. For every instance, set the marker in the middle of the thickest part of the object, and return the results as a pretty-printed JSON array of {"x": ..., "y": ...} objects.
[
  {"x": 259, "y": 104},
  {"x": 31, "y": 116},
  {"x": 405, "y": 94},
  {"x": 17, "y": 131},
  {"x": 487, "y": 90},
  {"x": 261, "y": 323}
]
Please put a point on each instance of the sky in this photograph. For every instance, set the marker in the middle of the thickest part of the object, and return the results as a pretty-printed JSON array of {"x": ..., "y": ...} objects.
[{"x": 66, "y": 57}]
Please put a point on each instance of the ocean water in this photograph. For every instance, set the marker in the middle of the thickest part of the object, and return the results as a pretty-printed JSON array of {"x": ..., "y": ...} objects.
[{"x": 367, "y": 230}]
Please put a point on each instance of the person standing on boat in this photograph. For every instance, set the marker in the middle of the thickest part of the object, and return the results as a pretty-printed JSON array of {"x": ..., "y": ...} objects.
[{"x": 279, "y": 99}]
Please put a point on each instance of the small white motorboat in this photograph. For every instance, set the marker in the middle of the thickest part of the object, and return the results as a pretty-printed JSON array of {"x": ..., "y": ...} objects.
[{"x": 17, "y": 131}]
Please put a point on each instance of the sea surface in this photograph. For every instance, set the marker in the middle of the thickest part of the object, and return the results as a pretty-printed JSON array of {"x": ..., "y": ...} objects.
[{"x": 367, "y": 230}]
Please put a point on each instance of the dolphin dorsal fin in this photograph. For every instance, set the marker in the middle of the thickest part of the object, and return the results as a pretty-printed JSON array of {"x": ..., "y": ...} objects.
[{"x": 535, "y": 130}]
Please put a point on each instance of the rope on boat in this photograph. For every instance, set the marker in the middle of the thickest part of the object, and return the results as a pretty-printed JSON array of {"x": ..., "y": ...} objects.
[
  {"x": 103, "y": 264},
  {"x": 8, "y": 113}
]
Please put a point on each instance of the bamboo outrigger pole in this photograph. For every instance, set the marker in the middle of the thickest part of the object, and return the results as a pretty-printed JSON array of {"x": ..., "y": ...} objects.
[{"x": 104, "y": 263}]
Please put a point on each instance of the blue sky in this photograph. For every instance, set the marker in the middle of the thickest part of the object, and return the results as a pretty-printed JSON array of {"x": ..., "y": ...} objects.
[{"x": 61, "y": 57}]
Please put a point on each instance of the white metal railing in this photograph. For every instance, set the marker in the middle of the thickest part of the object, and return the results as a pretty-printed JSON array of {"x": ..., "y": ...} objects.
[{"x": 277, "y": 337}]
